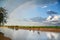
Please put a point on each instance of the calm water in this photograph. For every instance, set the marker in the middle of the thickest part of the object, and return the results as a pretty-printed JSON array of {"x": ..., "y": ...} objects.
[{"x": 29, "y": 35}]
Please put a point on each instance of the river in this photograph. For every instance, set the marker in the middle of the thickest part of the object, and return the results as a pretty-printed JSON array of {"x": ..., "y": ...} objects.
[{"x": 22, "y": 34}]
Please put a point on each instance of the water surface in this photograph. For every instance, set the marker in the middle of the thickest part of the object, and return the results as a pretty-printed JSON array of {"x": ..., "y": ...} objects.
[{"x": 22, "y": 34}]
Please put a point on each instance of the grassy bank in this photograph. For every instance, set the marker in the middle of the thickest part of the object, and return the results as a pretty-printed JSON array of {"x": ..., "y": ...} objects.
[
  {"x": 34, "y": 26},
  {"x": 39, "y": 28}
]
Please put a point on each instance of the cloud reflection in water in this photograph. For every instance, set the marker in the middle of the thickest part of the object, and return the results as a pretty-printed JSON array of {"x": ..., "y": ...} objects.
[{"x": 29, "y": 35}]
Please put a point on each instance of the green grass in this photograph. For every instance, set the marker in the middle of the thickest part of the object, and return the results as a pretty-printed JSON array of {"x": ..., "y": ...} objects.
[
  {"x": 37, "y": 26},
  {"x": 42, "y": 26}
]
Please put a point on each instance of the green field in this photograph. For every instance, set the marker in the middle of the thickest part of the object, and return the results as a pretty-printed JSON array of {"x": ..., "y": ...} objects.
[{"x": 36, "y": 26}]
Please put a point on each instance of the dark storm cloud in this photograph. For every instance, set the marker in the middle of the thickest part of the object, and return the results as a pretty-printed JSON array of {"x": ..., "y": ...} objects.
[
  {"x": 38, "y": 19},
  {"x": 51, "y": 12}
]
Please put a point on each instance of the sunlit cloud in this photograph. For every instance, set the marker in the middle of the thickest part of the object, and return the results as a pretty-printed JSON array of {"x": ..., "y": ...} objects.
[{"x": 44, "y": 7}]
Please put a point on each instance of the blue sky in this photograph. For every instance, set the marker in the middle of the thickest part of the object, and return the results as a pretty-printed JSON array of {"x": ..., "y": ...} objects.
[
  {"x": 11, "y": 5},
  {"x": 27, "y": 9}
]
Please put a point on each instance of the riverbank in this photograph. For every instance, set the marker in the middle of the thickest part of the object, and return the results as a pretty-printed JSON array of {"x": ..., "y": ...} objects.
[{"x": 36, "y": 28}]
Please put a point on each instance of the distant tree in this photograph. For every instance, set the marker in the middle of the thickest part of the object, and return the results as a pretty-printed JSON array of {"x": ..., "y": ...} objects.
[{"x": 3, "y": 16}]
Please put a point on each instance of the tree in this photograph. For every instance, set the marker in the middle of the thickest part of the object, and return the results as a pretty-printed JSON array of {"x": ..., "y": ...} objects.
[{"x": 3, "y": 16}]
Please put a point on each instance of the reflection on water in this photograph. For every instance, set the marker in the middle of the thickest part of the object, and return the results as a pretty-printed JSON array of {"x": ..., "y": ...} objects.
[{"x": 29, "y": 34}]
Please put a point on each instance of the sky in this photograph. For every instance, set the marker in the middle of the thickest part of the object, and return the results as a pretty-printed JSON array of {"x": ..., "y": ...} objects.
[{"x": 21, "y": 12}]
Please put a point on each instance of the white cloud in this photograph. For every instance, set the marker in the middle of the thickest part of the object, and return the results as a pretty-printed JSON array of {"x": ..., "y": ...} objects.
[
  {"x": 44, "y": 7},
  {"x": 55, "y": 18}
]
